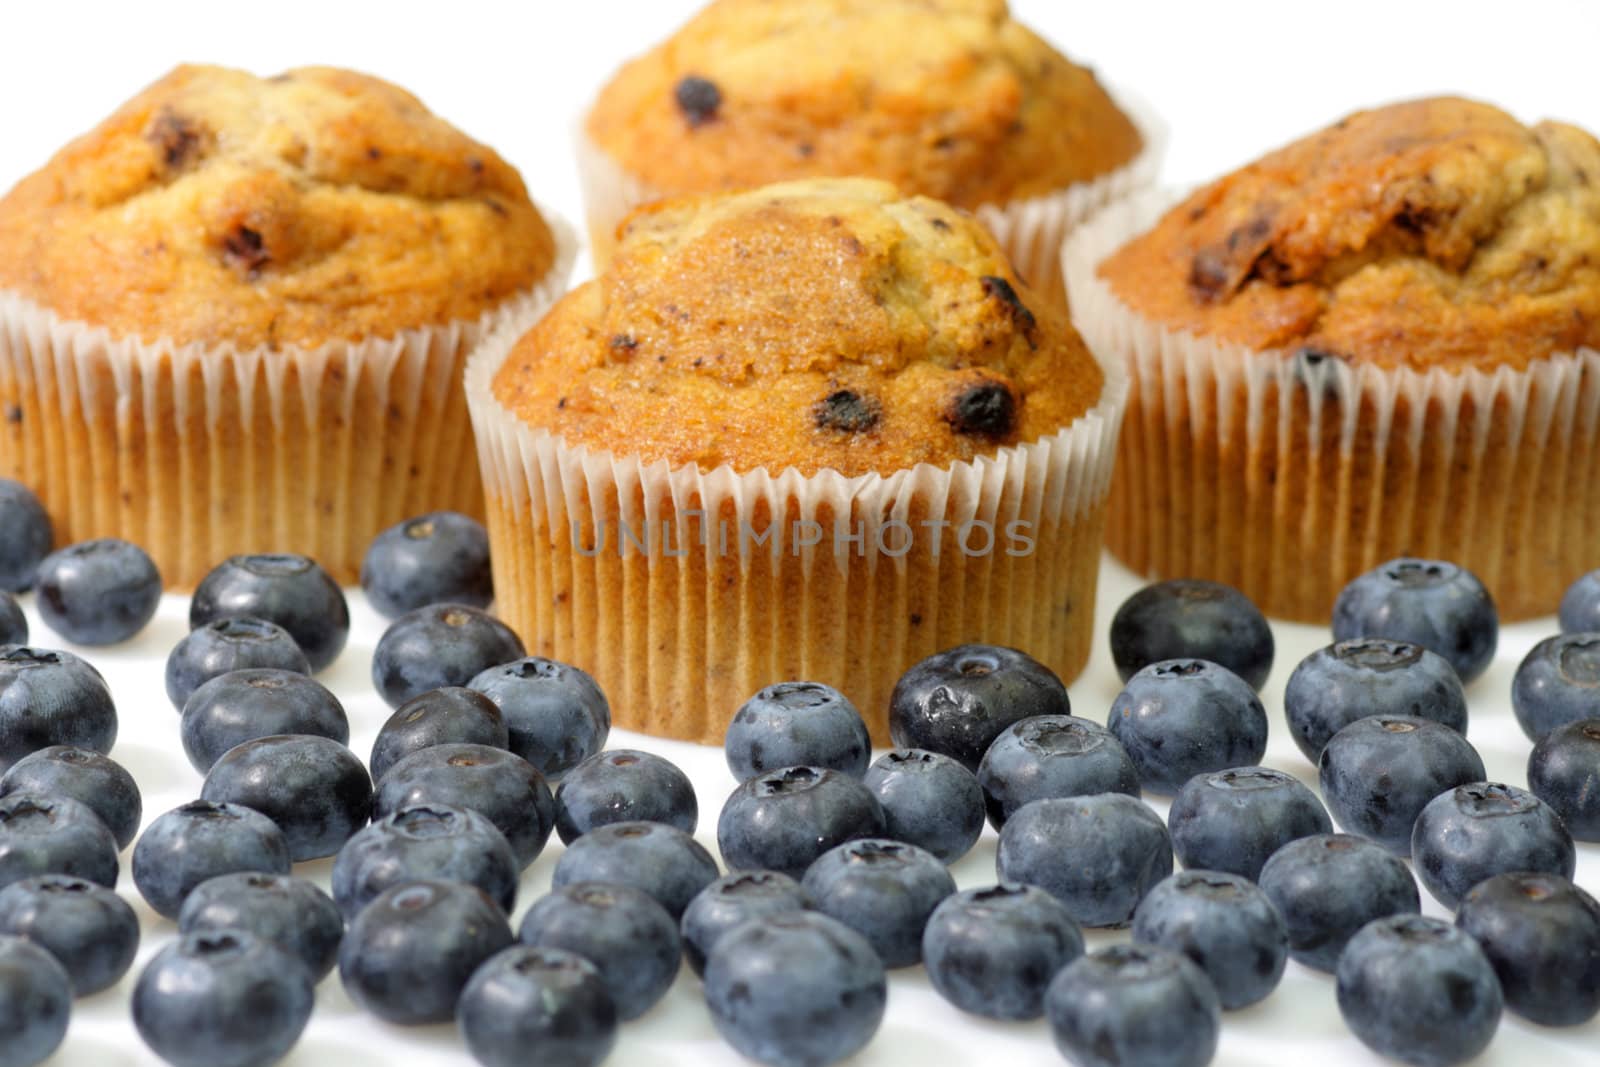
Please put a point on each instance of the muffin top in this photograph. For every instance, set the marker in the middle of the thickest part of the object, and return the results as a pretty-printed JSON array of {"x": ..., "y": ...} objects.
[
  {"x": 316, "y": 205},
  {"x": 823, "y": 323},
  {"x": 1434, "y": 232},
  {"x": 949, "y": 98}
]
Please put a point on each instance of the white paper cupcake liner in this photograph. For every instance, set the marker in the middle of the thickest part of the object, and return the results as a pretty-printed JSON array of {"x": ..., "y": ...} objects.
[{"x": 1287, "y": 476}]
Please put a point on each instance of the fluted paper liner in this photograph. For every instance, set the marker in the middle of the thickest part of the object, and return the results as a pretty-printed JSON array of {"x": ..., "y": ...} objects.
[
  {"x": 199, "y": 452},
  {"x": 682, "y": 624},
  {"x": 1287, "y": 476}
]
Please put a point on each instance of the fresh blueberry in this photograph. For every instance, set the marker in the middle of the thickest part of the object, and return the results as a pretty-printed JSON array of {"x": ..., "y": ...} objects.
[
  {"x": 1580, "y": 606},
  {"x": 42, "y": 834},
  {"x": 292, "y": 591},
  {"x": 928, "y": 800},
  {"x": 624, "y": 785},
  {"x": 784, "y": 820},
  {"x": 291, "y": 913},
  {"x": 1427, "y": 602},
  {"x": 35, "y": 1003},
  {"x": 993, "y": 951},
  {"x": 797, "y": 724},
  {"x": 1557, "y": 683},
  {"x": 25, "y": 536},
  {"x": 1542, "y": 936},
  {"x": 623, "y": 931},
  {"x": 527, "y": 998},
  {"x": 438, "y": 558},
  {"x": 454, "y": 715},
  {"x": 247, "y": 705},
  {"x": 1225, "y": 924},
  {"x": 98, "y": 592},
  {"x": 231, "y": 644},
  {"x": 883, "y": 890},
  {"x": 1183, "y": 717},
  {"x": 428, "y": 841},
  {"x": 556, "y": 714},
  {"x": 1329, "y": 886},
  {"x": 13, "y": 623},
  {"x": 1378, "y": 774},
  {"x": 958, "y": 701},
  {"x": 314, "y": 788},
  {"x": 90, "y": 930},
  {"x": 1564, "y": 772},
  {"x": 731, "y": 900},
  {"x": 501, "y": 786},
  {"x": 437, "y": 646},
  {"x": 1052, "y": 756},
  {"x": 198, "y": 842},
  {"x": 1235, "y": 820},
  {"x": 1418, "y": 990},
  {"x": 1098, "y": 855},
  {"x": 1134, "y": 1004},
  {"x": 795, "y": 990},
  {"x": 51, "y": 698},
  {"x": 409, "y": 954},
  {"x": 95, "y": 781},
  {"x": 1187, "y": 618},
  {"x": 658, "y": 859},
  {"x": 222, "y": 998},
  {"x": 1335, "y": 686},
  {"x": 1477, "y": 831}
]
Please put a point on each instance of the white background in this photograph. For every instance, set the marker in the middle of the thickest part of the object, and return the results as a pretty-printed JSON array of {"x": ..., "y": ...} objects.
[{"x": 1231, "y": 79}]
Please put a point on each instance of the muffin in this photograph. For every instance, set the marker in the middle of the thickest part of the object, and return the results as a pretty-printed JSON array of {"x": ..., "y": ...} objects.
[
  {"x": 234, "y": 316},
  {"x": 952, "y": 99},
  {"x": 816, "y": 430},
  {"x": 1378, "y": 341}
]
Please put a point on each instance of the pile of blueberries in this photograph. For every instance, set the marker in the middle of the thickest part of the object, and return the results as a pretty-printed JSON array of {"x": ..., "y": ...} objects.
[{"x": 837, "y": 864}]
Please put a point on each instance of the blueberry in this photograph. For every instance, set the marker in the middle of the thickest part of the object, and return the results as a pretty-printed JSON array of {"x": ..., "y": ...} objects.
[
  {"x": 291, "y": 913},
  {"x": 93, "y": 780},
  {"x": 1098, "y": 855},
  {"x": 556, "y": 714},
  {"x": 454, "y": 715},
  {"x": 1557, "y": 683},
  {"x": 292, "y": 591},
  {"x": 731, "y": 900},
  {"x": 98, "y": 592},
  {"x": 1418, "y": 990},
  {"x": 624, "y": 785},
  {"x": 427, "y": 841},
  {"x": 247, "y": 705},
  {"x": 527, "y": 998},
  {"x": 1235, "y": 820},
  {"x": 1564, "y": 772},
  {"x": 1580, "y": 606},
  {"x": 623, "y": 931},
  {"x": 1134, "y": 1004},
  {"x": 795, "y": 990},
  {"x": 1052, "y": 756},
  {"x": 1335, "y": 686},
  {"x": 1225, "y": 924},
  {"x": 958, "y": 701},
  {"x": 1329, "y": 886},
  {"x": 25, "y": 536},
  {"x": 408, "y": 954},
  {"x": 222, "y": 998},
  {"x": 883, "y": 890},
  {"x": 658, "y": 859},
  {"x": 797, "y": 724},
  {"x": 1542, "y": 936},
  {"x": 1477, "y": 831},
  {"x": 437, "y": 646},
  {"x": 1188, "y": 618},
  {"x": 198, "y": 842},
  {"x": 928, "y": 800},
  {"x": 441, "y": 557},
  {"x": 51, "y": 698},
  {"x": 502, "y": 787},
  {"x": 993, "y": 951},
  {"x": 91, "y": 931},
  {"x": 1431, "y": 603},
  {"x": 35, "y": 1002},
  {"x": 314, "y": 788},
  {"x": 1183, "y": 717},
  {"x": 231, "y": 644},
  {"x": 13, "y": 623},
  {"x": 1378, "y": 774},
  {"x": 784, "y": 820},
  {"x": 42, "y": 834}
]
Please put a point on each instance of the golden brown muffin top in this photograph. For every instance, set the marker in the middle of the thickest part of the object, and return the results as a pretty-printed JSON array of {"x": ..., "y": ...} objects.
[
  {"x": 953, "y": 99},
  {"x": 826, "y": 323},
  {"x": 217, "y": 207},
  {"x": 1434, "y": 232}
]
